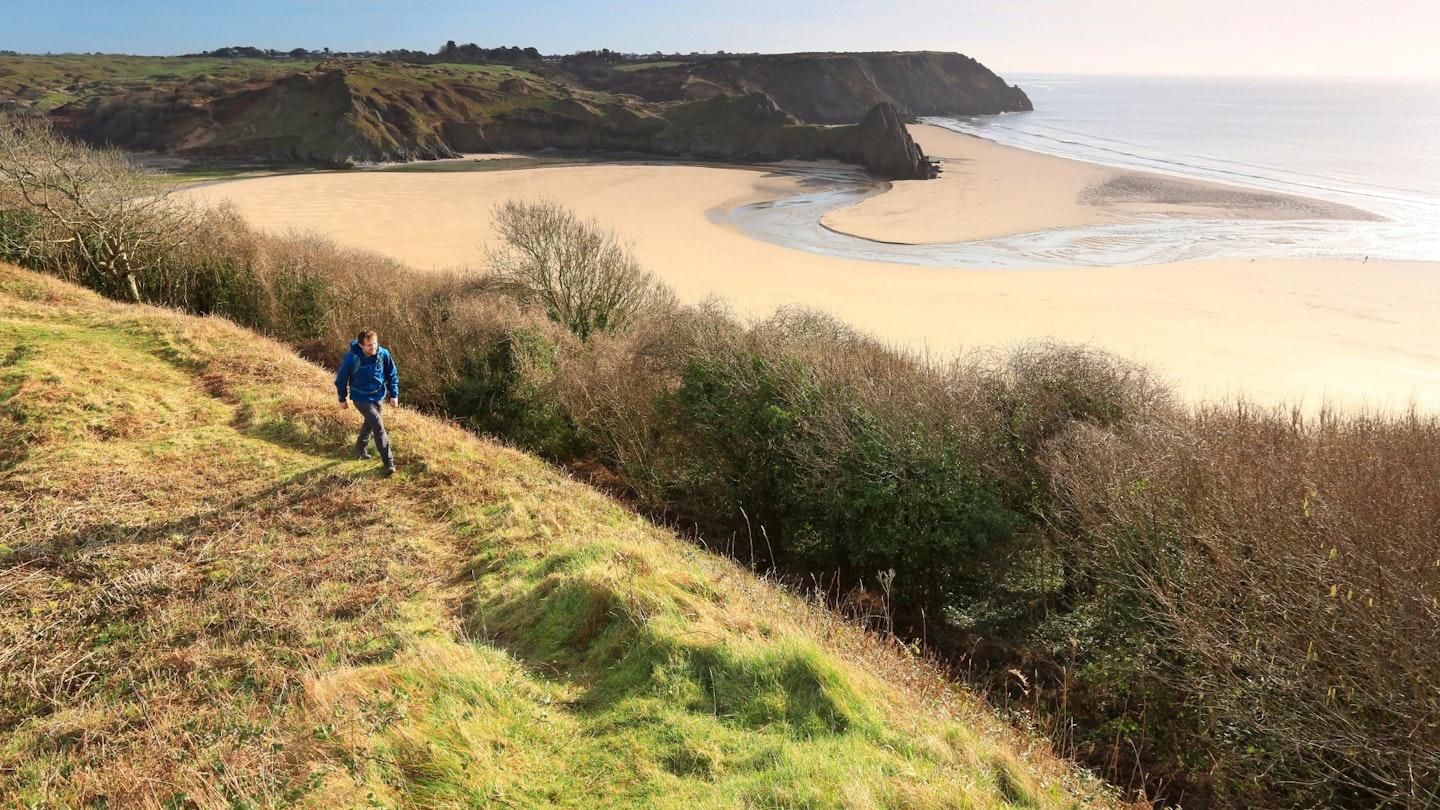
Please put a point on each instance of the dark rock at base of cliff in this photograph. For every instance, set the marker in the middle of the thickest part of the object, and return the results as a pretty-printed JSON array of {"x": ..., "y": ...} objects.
[{"x": 887, "y": 149}]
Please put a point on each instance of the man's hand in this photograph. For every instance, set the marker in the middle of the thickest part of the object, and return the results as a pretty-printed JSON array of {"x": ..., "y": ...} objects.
[
  {"x": 344, "y": 405},
  {"x": 394, "y": 402}
]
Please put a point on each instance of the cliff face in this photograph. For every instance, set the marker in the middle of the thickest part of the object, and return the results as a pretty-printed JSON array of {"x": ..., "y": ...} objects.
[
  {"x": 753, "y": 109},
  {"x": 329, "y": 116},
  {"x": 840, "y": 88}
]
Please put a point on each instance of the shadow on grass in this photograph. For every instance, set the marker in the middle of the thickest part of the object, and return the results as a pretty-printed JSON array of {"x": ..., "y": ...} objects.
[
  {"x": 617, "y": 644},
  {"x": 67, "y": 546}
]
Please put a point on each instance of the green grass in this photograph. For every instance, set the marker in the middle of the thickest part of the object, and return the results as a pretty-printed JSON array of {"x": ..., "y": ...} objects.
[
  {"x": 84, "y": 76},
  {"x": 648, "y": 66},
  {"x": 208, "y": 602},
  {"x": 503, "y": 71},
  {"x": 83, "y": 67}
]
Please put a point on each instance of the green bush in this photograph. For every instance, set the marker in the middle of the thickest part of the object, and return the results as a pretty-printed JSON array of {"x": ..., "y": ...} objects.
[
  {"x": 827, "y": 485},
  {"x": 740, "y": 418},
  {"x": 18, "y": 233},
  {"x": 1036, "y": 392},
  {"x": 506, "y": 389}
]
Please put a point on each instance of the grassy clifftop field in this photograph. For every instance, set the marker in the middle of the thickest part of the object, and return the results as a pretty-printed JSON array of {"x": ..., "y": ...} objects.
[{"x": 207, "y": 602}]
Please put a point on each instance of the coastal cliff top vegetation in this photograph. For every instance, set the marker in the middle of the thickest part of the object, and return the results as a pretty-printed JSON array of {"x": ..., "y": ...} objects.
[
  {"x": 1234, "y": 605},
  {"x": 209, "y": 603},
  {"x": 46, "y": 82}
]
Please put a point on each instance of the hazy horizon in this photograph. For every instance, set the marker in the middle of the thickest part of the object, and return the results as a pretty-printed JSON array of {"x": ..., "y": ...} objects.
[{"x": 1385, "y": 38}]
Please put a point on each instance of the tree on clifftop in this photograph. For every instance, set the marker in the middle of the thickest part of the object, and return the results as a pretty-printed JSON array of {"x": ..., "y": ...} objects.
[{"x": 83, "y": 214}]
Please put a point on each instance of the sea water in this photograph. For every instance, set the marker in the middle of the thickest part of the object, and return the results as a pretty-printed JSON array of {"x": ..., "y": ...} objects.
[{"x": 1370, "y": 144}]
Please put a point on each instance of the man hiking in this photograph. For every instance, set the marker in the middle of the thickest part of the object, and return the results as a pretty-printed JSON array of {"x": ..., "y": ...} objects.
[{"x": 368, "y": 375}]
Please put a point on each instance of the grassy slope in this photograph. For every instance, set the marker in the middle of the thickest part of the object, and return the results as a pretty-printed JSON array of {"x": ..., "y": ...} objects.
[
  {"x": 204, "y": 601},
  {"x": 49, "y": 81},
  {"x": 279, "y": 110}
]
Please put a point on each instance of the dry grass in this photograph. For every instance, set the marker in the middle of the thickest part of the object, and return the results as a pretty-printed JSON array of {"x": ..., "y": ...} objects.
[
  {"x": 159, "y": 609},
  {"x": 207, "y": 603}
]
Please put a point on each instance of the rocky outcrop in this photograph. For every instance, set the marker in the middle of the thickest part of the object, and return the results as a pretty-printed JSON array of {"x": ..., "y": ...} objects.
[
  {"x": 364, "y": 125},
  {"x": 887, "y": 149}
]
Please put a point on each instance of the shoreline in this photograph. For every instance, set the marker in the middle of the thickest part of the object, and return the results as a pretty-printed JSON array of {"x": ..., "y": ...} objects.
[
  {"x": 1278, "y": 330},
  {"x": 1071, "y": 194}
]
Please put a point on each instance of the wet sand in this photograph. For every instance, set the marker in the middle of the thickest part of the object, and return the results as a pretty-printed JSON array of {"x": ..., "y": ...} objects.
[
  {"x": 986, "y": 190},
  {"x": 1281, "y": 331}
]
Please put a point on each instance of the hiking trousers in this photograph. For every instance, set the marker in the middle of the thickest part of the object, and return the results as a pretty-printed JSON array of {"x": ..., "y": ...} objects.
[{"x": 374, "y": 426}]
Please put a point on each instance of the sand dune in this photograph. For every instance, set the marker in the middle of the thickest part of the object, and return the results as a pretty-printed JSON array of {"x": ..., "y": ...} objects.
[{"x": 1279, "y": 330}]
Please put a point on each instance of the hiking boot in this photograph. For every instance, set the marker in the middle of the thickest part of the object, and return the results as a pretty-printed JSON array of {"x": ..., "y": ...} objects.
[
  {"x": 389, "y": 469},
  {"x": 362, "y": 451}
]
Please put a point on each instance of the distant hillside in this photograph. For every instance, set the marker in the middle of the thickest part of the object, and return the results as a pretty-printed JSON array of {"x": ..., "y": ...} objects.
[
  {"x": 836, "y": 88},
  {"x": 208, "y": 603},
  {"x": 340, "y": 112}
]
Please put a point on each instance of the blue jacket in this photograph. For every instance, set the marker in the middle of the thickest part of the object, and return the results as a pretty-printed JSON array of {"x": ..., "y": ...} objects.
[{"x": 368, "y": 379}]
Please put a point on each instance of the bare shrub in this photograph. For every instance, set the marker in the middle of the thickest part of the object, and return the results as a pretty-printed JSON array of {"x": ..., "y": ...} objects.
[
  {"x": 437, "y": 321},
  {"x": 616, "y": 387},
  {"x": 216, "y": 272},
  {"x": 1288, "y": 565},
  {"x": 1041, "y": 386},
  {"x": 87, "y": 216},
  {"x": 583, "y": 275},
  {"x": 1023, "y": 397}
]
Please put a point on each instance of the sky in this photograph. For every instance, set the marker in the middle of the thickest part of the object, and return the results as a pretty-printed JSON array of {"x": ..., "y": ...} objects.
[{"x": 1382, "y": 38}]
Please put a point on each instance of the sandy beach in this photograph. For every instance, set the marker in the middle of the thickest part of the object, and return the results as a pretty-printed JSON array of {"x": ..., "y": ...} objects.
[{"x": 1348, "y": 332}]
